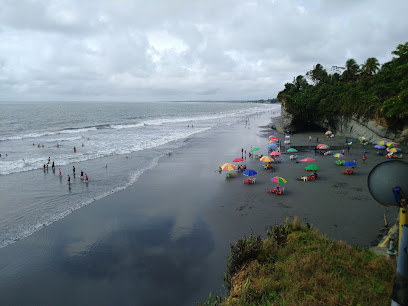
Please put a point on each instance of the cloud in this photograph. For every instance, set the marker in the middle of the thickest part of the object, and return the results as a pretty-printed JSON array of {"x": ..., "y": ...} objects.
[{"x": 175, "y": 50}]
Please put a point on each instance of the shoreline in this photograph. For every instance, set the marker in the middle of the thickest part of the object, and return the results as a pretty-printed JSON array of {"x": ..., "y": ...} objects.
[{"x": 170, "y": 232}]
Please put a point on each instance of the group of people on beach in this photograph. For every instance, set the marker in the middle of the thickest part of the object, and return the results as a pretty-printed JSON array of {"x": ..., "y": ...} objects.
[{"x": 45, "y": 167}]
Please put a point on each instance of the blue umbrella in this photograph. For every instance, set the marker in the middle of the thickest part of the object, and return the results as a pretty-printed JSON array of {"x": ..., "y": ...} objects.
[
  {"x": 380, "y": 147},
  {"x": 349, "y": 164},
  {"x": 272, "y": 146},
  {"x": 249, "y": 172}
]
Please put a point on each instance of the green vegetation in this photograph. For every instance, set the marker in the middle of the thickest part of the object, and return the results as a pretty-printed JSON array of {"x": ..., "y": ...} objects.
[
  {"x": 367, "y": 90},
  {"x": 295, "y": 265}
]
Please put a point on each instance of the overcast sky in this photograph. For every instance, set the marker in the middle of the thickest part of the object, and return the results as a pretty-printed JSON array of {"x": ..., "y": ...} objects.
[{"x": 139, "y": 50}]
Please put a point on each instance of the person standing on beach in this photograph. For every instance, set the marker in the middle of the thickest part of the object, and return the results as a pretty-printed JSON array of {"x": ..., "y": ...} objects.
[
  {"x": 53, "y": 165},
  {"x": 73, "y": 170},
  {"x": 69, "y": 179},
  {"x": 86, "y": 177},
  {"x": 82, "y": 174},
  {"x": 364, "y": 158},
  {"x": 317, "y": 139},
  {"x": 59, "y": 171},
  {"x": 310, "y": 138}
]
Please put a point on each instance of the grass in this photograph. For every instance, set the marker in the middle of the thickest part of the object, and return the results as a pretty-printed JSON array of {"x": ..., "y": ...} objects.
[{"x": 295, "y": 265}]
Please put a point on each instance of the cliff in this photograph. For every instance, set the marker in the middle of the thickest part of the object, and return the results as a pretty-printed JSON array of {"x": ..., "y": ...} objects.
[{"x": 373, "y": 130}]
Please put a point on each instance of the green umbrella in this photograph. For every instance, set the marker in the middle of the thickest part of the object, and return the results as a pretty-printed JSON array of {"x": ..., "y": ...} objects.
[
  {"x": 254, "y": 149},
  {"x": 291, "y": 150},
  {"x": 312, "y": 167}
]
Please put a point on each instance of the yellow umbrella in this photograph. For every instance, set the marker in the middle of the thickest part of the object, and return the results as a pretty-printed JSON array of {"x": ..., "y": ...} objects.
[
  {"x": 228, "y": 167},
  {"x": 265, "y": 159}
]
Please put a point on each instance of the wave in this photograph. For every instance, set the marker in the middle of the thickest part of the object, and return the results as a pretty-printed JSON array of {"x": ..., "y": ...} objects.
[{"x": 27, "y": 232}]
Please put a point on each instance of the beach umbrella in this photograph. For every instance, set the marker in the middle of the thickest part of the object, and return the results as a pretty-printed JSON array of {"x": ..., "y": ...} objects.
[
  {"x": 312, "y": 167},
  {"x": 272, "y": 146},
  {"x": 329, "y": 133},
  {"x": 379, "y": 147},
  {"x": 307, "y": 159},
  {"x": 254, "y": 149},
  {"x": 395, "y": 150},
  {"x": 237, "y": 160},
  {"x": 339, "y": 155},
  {"x": 392, "y": 144},
  {"x": 383, "y": 143},
  {"x": 325, "y": 146},
  {"x": 266, "y": 159},
  {"x": 278, "y": 179},
  {"x": 273, "y": 153},
  {"x": 291, "y": 150},
  {"x": 362, "y": 139},
  {"x": 228, "y": 167},
  {"x": 349, "y": 164},
  {"x": 273, "y": 141},
  {"x": 273, "y": 137},
  {"x": 249, "y": 172}
]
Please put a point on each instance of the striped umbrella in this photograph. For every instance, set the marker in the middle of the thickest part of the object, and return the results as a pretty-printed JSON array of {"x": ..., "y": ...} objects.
[
  {"x": 266, "y": 159},
  {"x": 322, "y": 146},
  {"x": 392, "y": 144},
  {"x": 339, "y": 155},
  {"x": 395, "y": 150},
  {"x": 228, "y": 167},
  {"x": 383, "y": 143}
]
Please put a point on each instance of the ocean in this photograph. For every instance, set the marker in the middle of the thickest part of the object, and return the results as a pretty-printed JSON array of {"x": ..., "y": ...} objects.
[{"x": 115, "y": 144}]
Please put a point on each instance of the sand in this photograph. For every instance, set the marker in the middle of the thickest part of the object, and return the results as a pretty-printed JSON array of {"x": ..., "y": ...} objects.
[{"x": 165, "y": 240}]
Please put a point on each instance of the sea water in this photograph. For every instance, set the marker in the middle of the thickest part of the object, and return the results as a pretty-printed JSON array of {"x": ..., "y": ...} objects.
[{"x": 115, "y": 143}]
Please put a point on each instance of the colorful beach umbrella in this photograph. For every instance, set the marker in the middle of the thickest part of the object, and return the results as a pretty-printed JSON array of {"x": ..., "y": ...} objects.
[
  {"x": 291, "y": 150},
  {"x": 362, "y": 139},
  {"x": 392, "y": 144},
  {"x": 237, "y": 160},
  {"x": 383, "y": 143},
  {"x": 272, "y": 146},
  {"x": 278, "y": 179},
  {"x": 254, "y": 149},
  {"x": 339, "y": 155},
  {"x": 307, "y": 159},
  {"x": 273, "y": 137},
  {"x": 228, "y": 167},
  {"x": 395, "y": 150},
  {"x": 266, "y": 159},
  {"x": 249, "y": 172},
  {"x": 379, "y": 147},
  {"x": 312, "y": 167},
  {"x": 322, "y": 146},
  {"x": 275, "y": 153},
  {"x": 349, "y": 164},
  {"x": 329, "y": 133}
]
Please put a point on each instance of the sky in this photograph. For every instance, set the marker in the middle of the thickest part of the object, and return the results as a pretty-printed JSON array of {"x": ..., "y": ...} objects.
[{"x": 195, "y": 50}]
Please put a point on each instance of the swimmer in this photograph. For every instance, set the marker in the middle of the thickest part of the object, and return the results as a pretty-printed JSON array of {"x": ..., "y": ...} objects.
[
  {"x": 69, "y": 179},
  {"x": 53, "y": 165},
  {"x": 82, "y": 174},
  {"x": 74, "y": 150},
  {"x": 82, "y": 144},
  {"x": 57, "y": 145},
  {"x": 73, "y": 170},
  {"x": 49, "y": 159},
  {"x": 59, "y": 170},
  {"x": 86, "y": 177}
]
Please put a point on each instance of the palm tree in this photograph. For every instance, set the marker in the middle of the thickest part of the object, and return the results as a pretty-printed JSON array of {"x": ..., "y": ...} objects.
[
  {"x": 351, "y": 69},
  {"x": 371, "y": 66},
  {"x": 318, "y": 74}
]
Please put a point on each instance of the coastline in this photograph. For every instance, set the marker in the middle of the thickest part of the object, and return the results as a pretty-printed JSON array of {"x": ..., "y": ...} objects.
[{"x": 170, "y": 232}]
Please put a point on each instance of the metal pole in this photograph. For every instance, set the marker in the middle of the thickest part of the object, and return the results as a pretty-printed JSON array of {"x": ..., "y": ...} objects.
[{"x": 400, "y": 289}]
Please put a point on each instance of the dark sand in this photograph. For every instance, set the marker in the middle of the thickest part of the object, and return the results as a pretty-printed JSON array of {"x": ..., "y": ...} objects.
[{"x": 165, "y": 240}]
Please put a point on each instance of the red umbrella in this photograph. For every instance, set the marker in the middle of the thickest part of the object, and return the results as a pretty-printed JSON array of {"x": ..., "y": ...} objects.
[
  {"x": 237, "y": 160},
  {"x": 275, "y": 153},
  {"x": 307, "y": 159}
]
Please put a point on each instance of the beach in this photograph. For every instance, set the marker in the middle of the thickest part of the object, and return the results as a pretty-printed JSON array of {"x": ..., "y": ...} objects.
[{"x": 165, "y": 239}]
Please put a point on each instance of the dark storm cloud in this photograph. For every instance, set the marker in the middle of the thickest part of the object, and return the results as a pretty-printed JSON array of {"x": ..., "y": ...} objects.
[{"x": 175, "y": 50}]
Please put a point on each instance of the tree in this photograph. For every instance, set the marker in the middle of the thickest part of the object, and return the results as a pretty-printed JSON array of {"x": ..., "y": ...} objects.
[
  {"x": 371, "y": 66},
  {"x": 300, "y": 82},
  {"x": 351, "y": 69},
  {"x": 318, "y": 74}
]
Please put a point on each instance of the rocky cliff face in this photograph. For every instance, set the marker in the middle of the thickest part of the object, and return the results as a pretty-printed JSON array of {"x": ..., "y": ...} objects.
[{"x": 353, "y": 127}]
